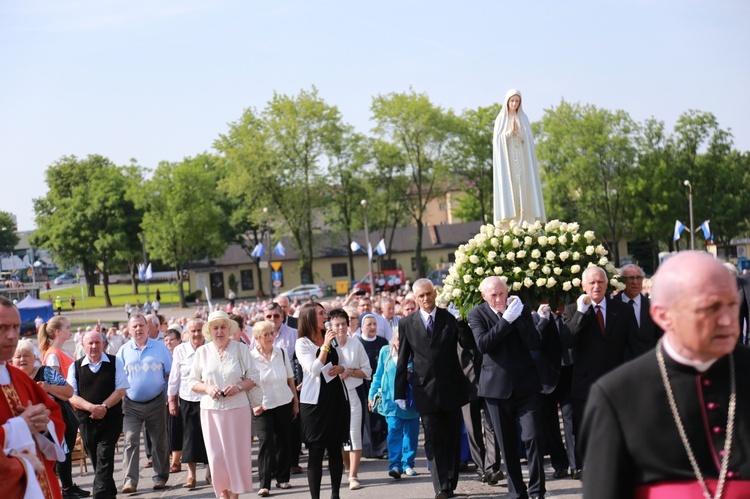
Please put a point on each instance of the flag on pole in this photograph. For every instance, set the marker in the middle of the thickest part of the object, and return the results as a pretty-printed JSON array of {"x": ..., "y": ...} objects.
[
  {"x": 369, "y": 251},
  {"x": 678, "y": 228},
  {"x": 141, "y": 272},
  {"x": 706, "y": 230},
  {"x": 149, "y": 273},
  {"x": 258, "y": 251},
  {"x": 380, "y": 248},
  {"x": 355, "y": 246},
  {"x": 279, "y": 249},
  {"x": 208, "y": 298}
]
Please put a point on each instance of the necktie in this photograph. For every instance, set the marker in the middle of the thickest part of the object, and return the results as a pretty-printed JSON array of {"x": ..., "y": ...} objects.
[
  {"x": 430, "y": 326},
  {"x": 600, "y": 316},
  {"x": 637, "y": 319}
]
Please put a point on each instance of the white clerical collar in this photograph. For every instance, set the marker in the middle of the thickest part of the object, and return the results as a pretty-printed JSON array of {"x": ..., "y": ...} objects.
[{"x": 699, "y": 366}]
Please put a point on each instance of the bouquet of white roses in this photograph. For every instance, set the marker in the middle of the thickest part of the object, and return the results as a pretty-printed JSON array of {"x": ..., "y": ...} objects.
[{"x": 540, "y": 263}]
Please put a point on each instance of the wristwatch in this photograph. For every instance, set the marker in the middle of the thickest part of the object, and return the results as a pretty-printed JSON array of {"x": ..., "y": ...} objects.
[
  {"x": 104, "y": 404},
  {"x": 239, "y": 387}
]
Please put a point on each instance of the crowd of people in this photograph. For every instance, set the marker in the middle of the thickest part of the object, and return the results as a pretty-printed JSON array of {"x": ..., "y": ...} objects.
[{"x": 354, "y": 377}]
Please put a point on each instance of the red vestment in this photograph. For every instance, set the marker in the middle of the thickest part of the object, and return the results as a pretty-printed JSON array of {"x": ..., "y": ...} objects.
[{"x": 21, "y": 390}]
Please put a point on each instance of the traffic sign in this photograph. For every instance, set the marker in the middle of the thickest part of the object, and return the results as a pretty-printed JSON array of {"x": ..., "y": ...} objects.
[
  {"x": 276, "y": 265},
  {"x": 277, "y": 284},
  {"x": 276, "y": 275}
]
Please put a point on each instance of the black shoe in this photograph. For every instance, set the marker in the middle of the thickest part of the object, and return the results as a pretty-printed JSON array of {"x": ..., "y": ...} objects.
[
  {"x": 395, "y": 473},
  {"x": 492, "y": 477},
  {"x": 577, "y": 474},
  {"x": 561, "y": 473},
  {"x": 75, "y": 492}
]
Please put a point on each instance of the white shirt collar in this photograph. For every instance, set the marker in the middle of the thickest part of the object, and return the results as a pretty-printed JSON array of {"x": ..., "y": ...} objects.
[
  {"x": 699, "y": 366},
  {"x": 425, "y": 315},
  {"x": 86, "y": 361}
]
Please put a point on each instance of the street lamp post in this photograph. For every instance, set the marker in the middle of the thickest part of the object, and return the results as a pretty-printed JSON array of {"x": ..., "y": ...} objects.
[
  {"x": 369, "y": 248},
  {"x": 690, "y": 205}
]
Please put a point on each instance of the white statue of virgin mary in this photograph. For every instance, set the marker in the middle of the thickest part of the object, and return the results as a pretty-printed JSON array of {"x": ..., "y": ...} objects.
[{"x": 517, "y": 190}]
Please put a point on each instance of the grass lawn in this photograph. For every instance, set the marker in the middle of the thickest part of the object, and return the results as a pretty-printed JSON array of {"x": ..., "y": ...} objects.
[{"x": 118, "y": 293}]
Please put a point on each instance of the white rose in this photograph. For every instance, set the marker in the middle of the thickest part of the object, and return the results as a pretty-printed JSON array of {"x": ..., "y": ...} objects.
[
  {"x": 494, "y": 242},
  {"x": 589, "y": 235},
  {"x": 479, "y": 271},
  {"x": 576, "y": 238},
  {"x": 516, "y": 270},
  {"x": 517, "y": 231},
  {"x": 541, "y": 282},
  {"x": 453, "y": 271},
  {"x": 498, "y": 270},
  {"x": 546, "y": 270},
  {"x": 563, "y": 239},
  {"x": 537, "y": 225},
  {"x": 564, "y": 255},
  {"x": 536, "y": 253},
  {"x": 542, "y": 240},
  {"x": 467, "y": 278},
  {"x": 552, "y": 225},
  {"x": 576, "y": 256},
  {"x": 551, "y": 282},
  {"x": 557, "y": 270},
  {"x": 528, "y": 282},
  {"x": 564, "y": 227},
  {"x": 552, "y": 240},
  {"x": 474, "y": 259},
  {"x": 516, "y": 286},
  {"x": 511, "y": 256},
  {"x": 589, "y": 250},
  {"x": 550, "y": 255},
  {"x": 614, "y": 282},
  {"x": 491, "y": 256},
  {"x": 506, "y": 239},
  {"x": 567, "y": 286},
  {"x": 600, "y": 250},
  {"x": 573, "y": 227},
  {"x": 521, "y": 254},
  {"x": 609, "y": 268},
  {"x": 504, "y": 279},
  {"x": 447, "y": 289},
  {"x": 577, "y": 282},
  {"x": 603, "y": 261},
  {"x": 575, "y": 269},
  {"x": 533, "y": 265},
  {"x": 498, "y": 232},
  {"x": 456, "y": 293},
  {"x": 516, "y": 243},
  {"x": 620, "y": 286},
  {"x": 449, "y": 279},
  {"x": 527, "y": 240}
]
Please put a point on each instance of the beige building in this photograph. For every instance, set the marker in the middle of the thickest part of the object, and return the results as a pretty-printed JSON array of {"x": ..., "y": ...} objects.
[{"x": 331, "y": 262}]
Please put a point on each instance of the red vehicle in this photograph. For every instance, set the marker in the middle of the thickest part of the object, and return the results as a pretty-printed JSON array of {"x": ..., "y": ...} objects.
[{"x": 385, "y": 280}]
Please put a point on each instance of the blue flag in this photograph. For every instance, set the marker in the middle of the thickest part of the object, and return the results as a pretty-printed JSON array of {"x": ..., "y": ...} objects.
[
  {"x": 706, "y": 230},
  {"x": 678, "y": 228},
  {"x": 380, "y": 248},
  {"x": 258, "y": 251},
  {"x": 279, "y": 249}
]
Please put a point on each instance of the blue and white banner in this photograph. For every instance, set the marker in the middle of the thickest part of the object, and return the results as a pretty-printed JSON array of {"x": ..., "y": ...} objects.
[
  {"x": 706, "y": 230},
  {"x": 258, "y": 251},
  {"x": 279, "y": 249},
  {"x": 380, "y": 248},
  {"x": 678, "y": 228},
  {"x": 355, "y": 246}
]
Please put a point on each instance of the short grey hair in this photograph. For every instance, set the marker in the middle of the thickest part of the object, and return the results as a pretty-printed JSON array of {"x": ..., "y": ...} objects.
[
  {"x": 594, "y": 268},
  {"x": 422, "y": 283},
  {"x": 632, "y": 266}
]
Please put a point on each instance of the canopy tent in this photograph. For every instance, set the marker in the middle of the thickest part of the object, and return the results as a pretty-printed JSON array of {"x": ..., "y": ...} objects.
[{"x": 30, "y": 307}]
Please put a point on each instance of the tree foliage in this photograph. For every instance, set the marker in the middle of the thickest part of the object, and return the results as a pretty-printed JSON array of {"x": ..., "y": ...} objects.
[{"x": 8, "y": 236}]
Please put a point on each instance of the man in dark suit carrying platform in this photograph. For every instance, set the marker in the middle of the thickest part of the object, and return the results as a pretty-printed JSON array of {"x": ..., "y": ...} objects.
[
  {"x": 598, "y": 332},
  {"x": 430, "y": 338},
  {"x": 648, "y": 332},
  {"x": 505, "y": 334}
]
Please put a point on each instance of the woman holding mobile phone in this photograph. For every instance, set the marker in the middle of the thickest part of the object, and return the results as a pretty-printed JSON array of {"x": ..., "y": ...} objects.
[{"x": 324, "y": 408}]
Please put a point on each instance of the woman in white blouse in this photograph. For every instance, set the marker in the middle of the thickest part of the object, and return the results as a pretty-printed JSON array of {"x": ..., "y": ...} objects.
[
  {"x": 186, "y": 403},
  {"x": 222, "y": 372},
  {"x": 357, "y": 370},
  {"x": 273, "y": 419}
]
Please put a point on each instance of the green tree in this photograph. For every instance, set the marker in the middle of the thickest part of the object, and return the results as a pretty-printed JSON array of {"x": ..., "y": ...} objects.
[
  {"x": 182, "y": 220},
  {"x": 86, "y": 218},
  {"x": 422, "y": 132},
  {"x": 587, "y": 154},
  {"x": 276, "y": 159},
  {"x": 8, "y": 236},
  {"x": 471, "y": 161}
]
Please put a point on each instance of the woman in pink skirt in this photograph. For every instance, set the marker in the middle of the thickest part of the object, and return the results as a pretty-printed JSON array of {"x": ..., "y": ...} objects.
[{"x": 223, "y": 371}]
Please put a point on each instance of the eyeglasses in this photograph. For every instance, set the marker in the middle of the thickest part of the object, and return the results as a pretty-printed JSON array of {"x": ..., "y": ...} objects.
[
  {"x": 273, "y": 316},
  {"x": 266, "y": 335},
  {"x": 633, "y": 277}
]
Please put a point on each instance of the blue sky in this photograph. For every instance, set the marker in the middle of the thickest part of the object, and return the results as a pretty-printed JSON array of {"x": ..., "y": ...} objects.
[{"x": 159, "y": 80}]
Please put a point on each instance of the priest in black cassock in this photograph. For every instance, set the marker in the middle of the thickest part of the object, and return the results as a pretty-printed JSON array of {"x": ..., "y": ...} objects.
[{"x": 695, "y": 380}]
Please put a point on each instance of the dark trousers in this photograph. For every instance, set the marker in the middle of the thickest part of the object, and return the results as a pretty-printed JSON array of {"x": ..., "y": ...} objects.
[
  {"x": 482, "y": 443},
  {"x": 578, "y": 406},
  {"x": 273, "y": 431},
  {"x": 565, "y": 401},
  {"x": 315, "y": 468},
  {"x": 528, "y": 412},
  {"x": 99, "y": 440},
  {"x": 442, "y": 442},
  {"x": 552, "y": 437}
]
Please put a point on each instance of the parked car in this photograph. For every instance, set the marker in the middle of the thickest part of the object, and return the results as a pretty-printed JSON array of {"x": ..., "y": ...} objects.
[
  {"x": 65, "y": 279},
  {"x": 305, "y": 292},
  {"x": 391, "y": 280},
  {"x": 437, "y": 276}
]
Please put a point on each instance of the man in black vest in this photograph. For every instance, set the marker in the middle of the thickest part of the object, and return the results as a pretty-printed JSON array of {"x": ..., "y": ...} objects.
[{"x": 99, "y": 383}]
